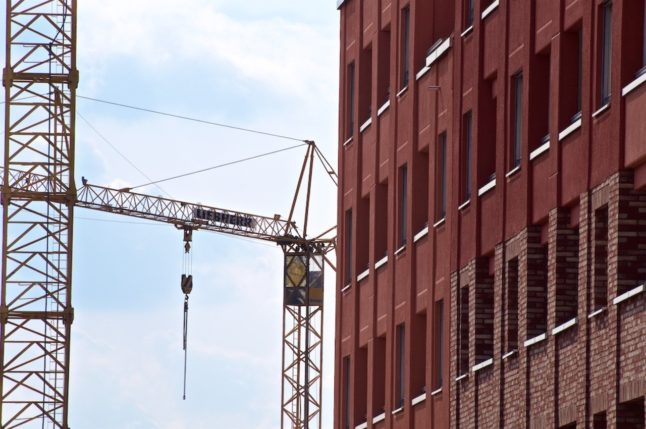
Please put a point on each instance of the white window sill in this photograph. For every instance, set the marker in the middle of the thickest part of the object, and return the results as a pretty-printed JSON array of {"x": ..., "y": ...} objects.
[
  {"x": 439, "y": 222},
  {"x": 420, "y": 74},
  {"x": 600, "y": 110},
  {"x": 570, "y": 129},
  {"x": 383, "y": 108},
  {"x": 365, "y": 125},
  {"x": 423, "y": 233},
  {"x": 402, "y": 91},
  {"x": 380, "y": 418},
  {"x": 419, "y": 399},
  {"x": 346, "y": 288},
  {"x": 509, "y": 354},
  {"x": 564, "y": 326},
  {"x": 467, "y": 31},
  {"x": 513, "y": 171},
  {"x": 489, "y": 10},
  {"x": 486, "y": 188},
  {"x": 347, "y": 142},
  {"x": 461, "y": 377},
  {"x": 464, "y": 205},
  {"x": 363, "y": 425},
  {"x": 398, "y": 410},
  {"x": 482, "y": 365},
  {"x": 627, "y": 295},
  {"x": 438, "y": 52},
  {"x": 363, "y": 275},
  {"x": 634, "y": 85},
  {"x": 537, "y": 339},
  {"x": 597, "y": 312},
  {"x": 401, "y": 250},
  {"x": 539, "y": 150},
  {"x": 380, "y": 263},
  {"x": 436, "y": 392}
]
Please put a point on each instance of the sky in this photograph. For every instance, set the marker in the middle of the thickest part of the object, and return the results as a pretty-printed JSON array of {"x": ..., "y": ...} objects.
[{"x": 264, "y": 64}]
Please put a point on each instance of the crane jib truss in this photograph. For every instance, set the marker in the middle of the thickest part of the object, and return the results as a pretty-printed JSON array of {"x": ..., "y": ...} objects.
[{"x": 38, "y": 200}]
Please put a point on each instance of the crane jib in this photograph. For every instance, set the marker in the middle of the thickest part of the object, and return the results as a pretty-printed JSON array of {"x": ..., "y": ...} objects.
[{"x": 235, "y": 219}]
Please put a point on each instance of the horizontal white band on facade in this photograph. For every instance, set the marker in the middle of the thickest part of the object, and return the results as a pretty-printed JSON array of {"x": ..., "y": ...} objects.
[
  {"x": 436, "y": 392},
  {"x": 398, "y": 410},
  {"x": 489, "y": 10},
  {"x": 423, "y": 233},
  {"x": 383, "y": 108},
  {"x": 601, "y": 109},
  {"x": 627, "y": 295},
  {"x": 486, "y": 188},
  {"x": 467, "y": 31},
  {"x": 634, "y": 84},
  {"x": 564, "y": 326},
  {"x": 418, "y": 399},
  {"x": 439, "y": 222},
  {"x": 402, "y": 91},
  {"x": 400, "y": 250},
  {"x": 378, "y": 418},
  {"x": 461, "y": 377},
  {"x": 363, "y": 275},
  {"x": 513, "y": 171},
  {"x": 365, "y": 125},
  {"x": 363, "y": 425},
  {"x": 597, "y": 312},
  {"x": 380, "y": 263},
  {"x": 482, "y": 365},
  {"x": 570, "y": 129},
  {"x": 509, "y": 354},
  {"x": 347, "y": 142},
  {"x": 346, "y": 288},
  {"x": 436, "y": 53},
  {"x": 539, "y": 150},
  {"x": 537, "y": 339}
]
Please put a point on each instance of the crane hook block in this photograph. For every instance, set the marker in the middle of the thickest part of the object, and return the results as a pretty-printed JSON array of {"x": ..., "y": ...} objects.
[{"x": 187, "y": 284}]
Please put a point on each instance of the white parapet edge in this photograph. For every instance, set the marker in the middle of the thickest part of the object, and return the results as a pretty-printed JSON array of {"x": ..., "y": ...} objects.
[
  {"x": 378, "y": 418},
  {"x": 380, "y": 263},
  {"x": 489, "y": 10},
  {"x": 363, "y": 275},
  {"x": 418, "y": 399},
  {"x": 383, "y": 108},
  {"x": 363, "y": 425},
  {"x": 570, "y": 129},
  {"x": 627, "y": 295},
  {"x": 486, "y": 188},
  {"x": 482, "y": 365},
  {"x": 365, "y": 125},
  {"x": 537, "y": 339},
  {"x": 564, "y": 326},
  {"x": 540, "y": 150},
  {"x": 420, "y": 74},
  {"x": 423, "y": 233},
  {"x": 634, "y": 84},
  {"x": 436, "y": 53}
]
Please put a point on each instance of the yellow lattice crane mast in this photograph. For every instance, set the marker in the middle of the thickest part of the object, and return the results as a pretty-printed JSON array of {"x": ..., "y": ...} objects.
[{"x": 38, "y": 200}]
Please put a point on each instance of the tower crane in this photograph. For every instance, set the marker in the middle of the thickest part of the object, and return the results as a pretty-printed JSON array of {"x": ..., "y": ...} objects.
[{"x": 39, "y": 195}]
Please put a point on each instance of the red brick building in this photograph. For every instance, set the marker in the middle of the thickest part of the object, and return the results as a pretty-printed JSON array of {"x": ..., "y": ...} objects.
[{"x": 492, "y": 213}]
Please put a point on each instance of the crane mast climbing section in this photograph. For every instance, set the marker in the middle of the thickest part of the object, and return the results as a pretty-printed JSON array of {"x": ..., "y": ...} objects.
[{"x": 40, "y": 80}]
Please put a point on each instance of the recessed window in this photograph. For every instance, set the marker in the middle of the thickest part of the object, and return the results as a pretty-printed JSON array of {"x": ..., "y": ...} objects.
[
  {"x": 348, "y": 246},
  {"x": 365, "y": 85},
  {"x": 361, "y": 386},
  {"x": 600, "y": 286},
  {"x": 536, "y": 309},
  {"x": 633, "y": 29},
  {"x": 630, "y": 414},
  {"x": 346, "y": 392},
  {"x": 383, "y": 76},
  {"x": 600, "y": 421},
  {"x": 541, "y": 104},
  {"x": 467, "y": 150},
  {"x": 349, "y": 97},
  {"x": 517, "y": 120},
  {"x": 418, "y": 351},
  {"x": 511, "y": 306},
  {"x": 363, "y": 234},
  {"x": 463, "y": 330},
  {"x": 381, "y": 220},
  {"x": 403, "y": 205},
  {"x": 468, "y": 13},
  {"x": 567, "y": 273},
  {"x": 400, "y": 366},
  {"x": 440, "y": 178},
  {"x": 484, "y": 303},
  {"x": 571, "y": 77},
  {"x": 405, "y": 47},
  {"x": 379, "y": 376},
  {"x": 438, "y": 345},
  {"x": 486, "y": 130},
  {"x": 420, "y": 192},
  {"x": 605, "y": 52}
]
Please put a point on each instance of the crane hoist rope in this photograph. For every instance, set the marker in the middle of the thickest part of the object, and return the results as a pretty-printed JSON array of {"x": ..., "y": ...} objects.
[{"x": 187, "y": 287}]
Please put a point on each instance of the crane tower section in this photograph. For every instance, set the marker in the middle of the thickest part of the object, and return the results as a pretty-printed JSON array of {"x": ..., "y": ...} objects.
[{"x": 40, "y": 80}]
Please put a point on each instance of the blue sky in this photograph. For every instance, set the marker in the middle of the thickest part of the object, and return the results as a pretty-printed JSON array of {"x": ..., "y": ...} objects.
[{"x": 270, "y": 65}]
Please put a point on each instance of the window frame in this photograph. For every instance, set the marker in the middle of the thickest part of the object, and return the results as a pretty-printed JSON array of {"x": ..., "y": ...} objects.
[
  {"x": 440, "y": 198},
  {"x": 348, "y": 271},
  {"x": 605, "y": 54},
  {"x": 517, "y": 122},
  {"x": 467, "y": 157},
  {"x": 350, "y": 99},
  {"x": 405, "y": 47},
  {"x": 402, "y": 233}
]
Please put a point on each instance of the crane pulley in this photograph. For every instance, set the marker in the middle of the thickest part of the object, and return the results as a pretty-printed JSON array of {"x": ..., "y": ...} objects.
[{"x": 187, "y": 287}]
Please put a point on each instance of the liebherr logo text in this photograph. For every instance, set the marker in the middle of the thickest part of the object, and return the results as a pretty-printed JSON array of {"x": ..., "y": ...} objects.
[{"x": 220, "y": 217}]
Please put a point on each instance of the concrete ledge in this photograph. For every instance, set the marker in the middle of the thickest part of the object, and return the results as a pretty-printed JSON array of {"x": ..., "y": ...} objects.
[
  {"x": 513, "y": 171},
  {"x": 539, "y": 150},
  {"x": 464, "y": 205},
  {"x": 467, "y": 31},
  {"x": 564, "y": 326},
  {"x": 402, "y": 91},
  {"x": 363, "y": 425},
  {"x": 383, "y": 108},
  {"x": 489, "y": 10},
  {"x": 482, "y": 365},
  {"x": 601, "y": 109},
  {"x": 436, "y": 53},
  {"x": 378, "y": 418},
  {"x": 363, "y": 275},
  {"x": 418, "y": 399},
  {"x": 380, "y": 263},
  {"x": 627, "y": 295},
  {"x": 398, "y": 410},
  {"x": 347, "y": 142},
  {"x": 423, "y": 233},
  {"x": 486, "y": 188},
  {"x": 346, "y": 288},
  {"x": 633, "y": 85},
  {"x": 439, "y": 222},
  {"x": 436, "y": 392},
  {"x": 537, "y": 339},
  {"x": 597, "y": 312},
  {"x": 461, "y": 377},
  {"x": 365, "y": 125},
  {"x": 570, "y": 129},
  {"x": 509, "y": 354},
  {"x": 401, "y": 250}
]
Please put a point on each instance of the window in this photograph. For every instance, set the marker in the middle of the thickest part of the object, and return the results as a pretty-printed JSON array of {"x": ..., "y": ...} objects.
[
  {"x": 467, "y": 135},
  {"x": 463, "y": 330},
  {"x": 541, "y": 104},
  {"x": 381, "y": 220},
  {"x": 365, "y": 85},
  {"x": 468, "y": 13},
  {"x": 346, "y": 392},
  {"x": 438, "y": 345},
  {"x": 630, "y": 414},
  {"x": 348, "y": 246},
  {"x": 384, "y": 67},
  {"x": 379, "y": 376},
  {"x": 361, "y": 386},
  {"x": 600, "y": 263},
  {"x": 600, "y": 421},
  {"x": 405, "y": 46},
  {"x": 486, "y": 130},
  {"x": 511, "y": 306},
  {"x": 567, "y": 273},
  {"x": 349, "y": 119},
  {"x": 403, "y": 205},
  {"x": 419, "y": 183},
  {"x": 418, "y": 351},
  {"x": 484, "y": 303},
  {"x": 363, "y": 234},
  {"x": 517, "y": 121},
  {"x": 571, "y": 77},
  {"x": 536, "y": 290},
  {"x": 400, "y": 360},
  {"x": 633, "y": 51},
  {"x": 440, "y": 180},
  {"x": 605, "y": 56}
]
